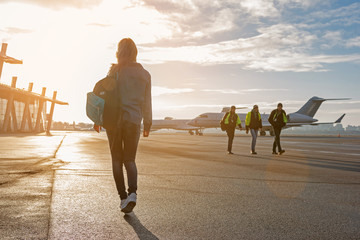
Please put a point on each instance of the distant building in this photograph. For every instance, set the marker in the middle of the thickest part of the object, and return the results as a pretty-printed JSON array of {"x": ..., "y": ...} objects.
[{"x": 351, "y": 128}]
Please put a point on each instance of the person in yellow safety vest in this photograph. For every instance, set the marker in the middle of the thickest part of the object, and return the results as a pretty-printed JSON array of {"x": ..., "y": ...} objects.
[
  {"x": 278, "y": 120},
  {"x": 231, "y": 120},
  {"x": 253, "y": 123}
]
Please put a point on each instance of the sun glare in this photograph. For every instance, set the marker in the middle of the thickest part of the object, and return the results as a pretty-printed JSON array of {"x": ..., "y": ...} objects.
[{"x": 68, "y": 50}]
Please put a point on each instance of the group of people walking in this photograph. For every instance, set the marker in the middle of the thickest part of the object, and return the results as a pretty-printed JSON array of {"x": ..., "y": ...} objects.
[{"x": 253, "y": 124}]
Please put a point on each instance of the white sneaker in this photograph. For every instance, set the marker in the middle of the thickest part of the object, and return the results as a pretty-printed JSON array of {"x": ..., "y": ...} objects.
[
  {"x": 122, "y": 203},
  {"x": 129, "y": 203}
]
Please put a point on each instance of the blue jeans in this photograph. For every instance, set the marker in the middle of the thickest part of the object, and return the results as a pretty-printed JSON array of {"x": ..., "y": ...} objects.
[
  {"x": 123, "y": 143},
  {"x": 254, "y": 134}
]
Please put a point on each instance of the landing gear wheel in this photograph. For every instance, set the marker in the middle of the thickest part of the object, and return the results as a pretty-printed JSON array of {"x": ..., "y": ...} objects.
[
  {"x": 199, "y": 132},
  {"x": 262, "y": 133}
]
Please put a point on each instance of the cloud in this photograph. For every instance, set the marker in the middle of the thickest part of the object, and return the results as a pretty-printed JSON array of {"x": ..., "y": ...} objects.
[
  {"x": 15, "y": 30},
  {"x": 345, "y": 16},
  {"x": 158, "y": 91},
  {"x": 332, "y": 38},
  {"x": 305, "y": 4},
  {"x": 353, "y": 42},
  {"x": 59, "y": 4},
  {"x": 197, "y": 21},
  {"x": 191, "y": 106},
  {"x": 347, "y": 111},
  {"x": 224, "y": 91},
  {"x": 263, "y": 90},
  {"x": 348, "y": 11},
  {"x": 296, "y": 104},
  {"x": 260, "y": 35},
  {"x": 286, "y": 104},
  {"x": 242, "y": 91},
  {"x": 99, "y": 25},
  {"x": 219, "y": 107},
  {"x": 170, "y": 6},
  {"x": 344, "y": 102},
  {"x": 260, "y": 8},
  {"x": 280, "y": 47}
]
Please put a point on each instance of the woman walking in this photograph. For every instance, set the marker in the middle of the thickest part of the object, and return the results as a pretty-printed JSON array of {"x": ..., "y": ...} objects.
[{"x": 133, "y": 96}]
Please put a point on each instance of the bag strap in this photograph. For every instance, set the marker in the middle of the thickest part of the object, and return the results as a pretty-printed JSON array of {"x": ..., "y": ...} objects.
[
  {"x": 120, "y": 113},
  {"x": 118, "y": 93}
]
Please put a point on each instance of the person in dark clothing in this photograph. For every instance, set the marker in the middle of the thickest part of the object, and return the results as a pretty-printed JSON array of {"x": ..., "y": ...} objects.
[
  {"x": 133, "y": 94},
  {"x": 231, "y": 120},
  {"x": 278, "y": 120},
  {"x": 253, "y": 123}
]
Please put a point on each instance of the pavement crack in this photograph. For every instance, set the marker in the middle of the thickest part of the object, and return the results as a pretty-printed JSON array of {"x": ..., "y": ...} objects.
[
  {"x": 52, "y": 189},
  {"x": 57, "y": 149}
]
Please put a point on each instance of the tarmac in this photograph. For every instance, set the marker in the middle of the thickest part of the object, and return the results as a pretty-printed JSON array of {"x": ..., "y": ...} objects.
[{"x": 61, "y": 187}]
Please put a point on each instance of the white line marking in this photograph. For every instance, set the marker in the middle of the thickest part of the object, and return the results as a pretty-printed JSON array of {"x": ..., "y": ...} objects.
[
  {"x": 327, "y": 152},
  {"x": 353, "y": 154}
]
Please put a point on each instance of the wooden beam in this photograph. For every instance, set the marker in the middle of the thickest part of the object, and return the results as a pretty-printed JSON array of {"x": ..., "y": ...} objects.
[
  {"x": 7, "y": 116},
  {"x": 2, "y": 53},
  {"x": 29, "y": 115},
  {"x": 13, "y": 110},
  {"x": 26, "y": 113},
  {"x": 13, "y": 117},
  {"x": 25, "y": 117},
  {"x": 51, "y": 113},
  {"x": 30, "y": 87},
  {"x": 13, "y": 82},
  {"x": 39, "y": 113}
]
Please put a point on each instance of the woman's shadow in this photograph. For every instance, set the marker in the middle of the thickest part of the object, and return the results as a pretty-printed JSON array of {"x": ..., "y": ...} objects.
[{"x": 141, "y": 231}]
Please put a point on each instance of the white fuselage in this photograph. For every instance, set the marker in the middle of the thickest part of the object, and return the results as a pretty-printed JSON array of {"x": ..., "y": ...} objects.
[
  {"x": 177, "y": 124},
  {"x": 300, "y": 118}
]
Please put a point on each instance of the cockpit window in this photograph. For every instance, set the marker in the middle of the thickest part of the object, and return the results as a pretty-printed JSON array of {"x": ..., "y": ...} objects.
[{"x": 203, "y": 116}]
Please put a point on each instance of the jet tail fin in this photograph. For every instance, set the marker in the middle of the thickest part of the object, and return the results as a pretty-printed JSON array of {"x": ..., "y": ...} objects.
[
  {"x": 310, "y": 107},
  {"x": 336, "y": 122},
  {"x": 340, "y": 118}
]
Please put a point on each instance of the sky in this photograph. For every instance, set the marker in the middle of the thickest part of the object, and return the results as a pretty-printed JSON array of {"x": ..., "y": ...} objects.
[{"x": 202, "y": 55}]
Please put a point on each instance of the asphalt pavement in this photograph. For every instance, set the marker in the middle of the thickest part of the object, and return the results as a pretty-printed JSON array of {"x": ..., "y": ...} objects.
[{"x": 61, "y": 187}]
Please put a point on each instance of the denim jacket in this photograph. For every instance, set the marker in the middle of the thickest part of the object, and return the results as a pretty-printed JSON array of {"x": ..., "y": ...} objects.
[{"x": 134, "y": 86}]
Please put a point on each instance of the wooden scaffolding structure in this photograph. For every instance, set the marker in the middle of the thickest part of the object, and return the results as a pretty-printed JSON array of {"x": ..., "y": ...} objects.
[{"x": 23, "y": 105}]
